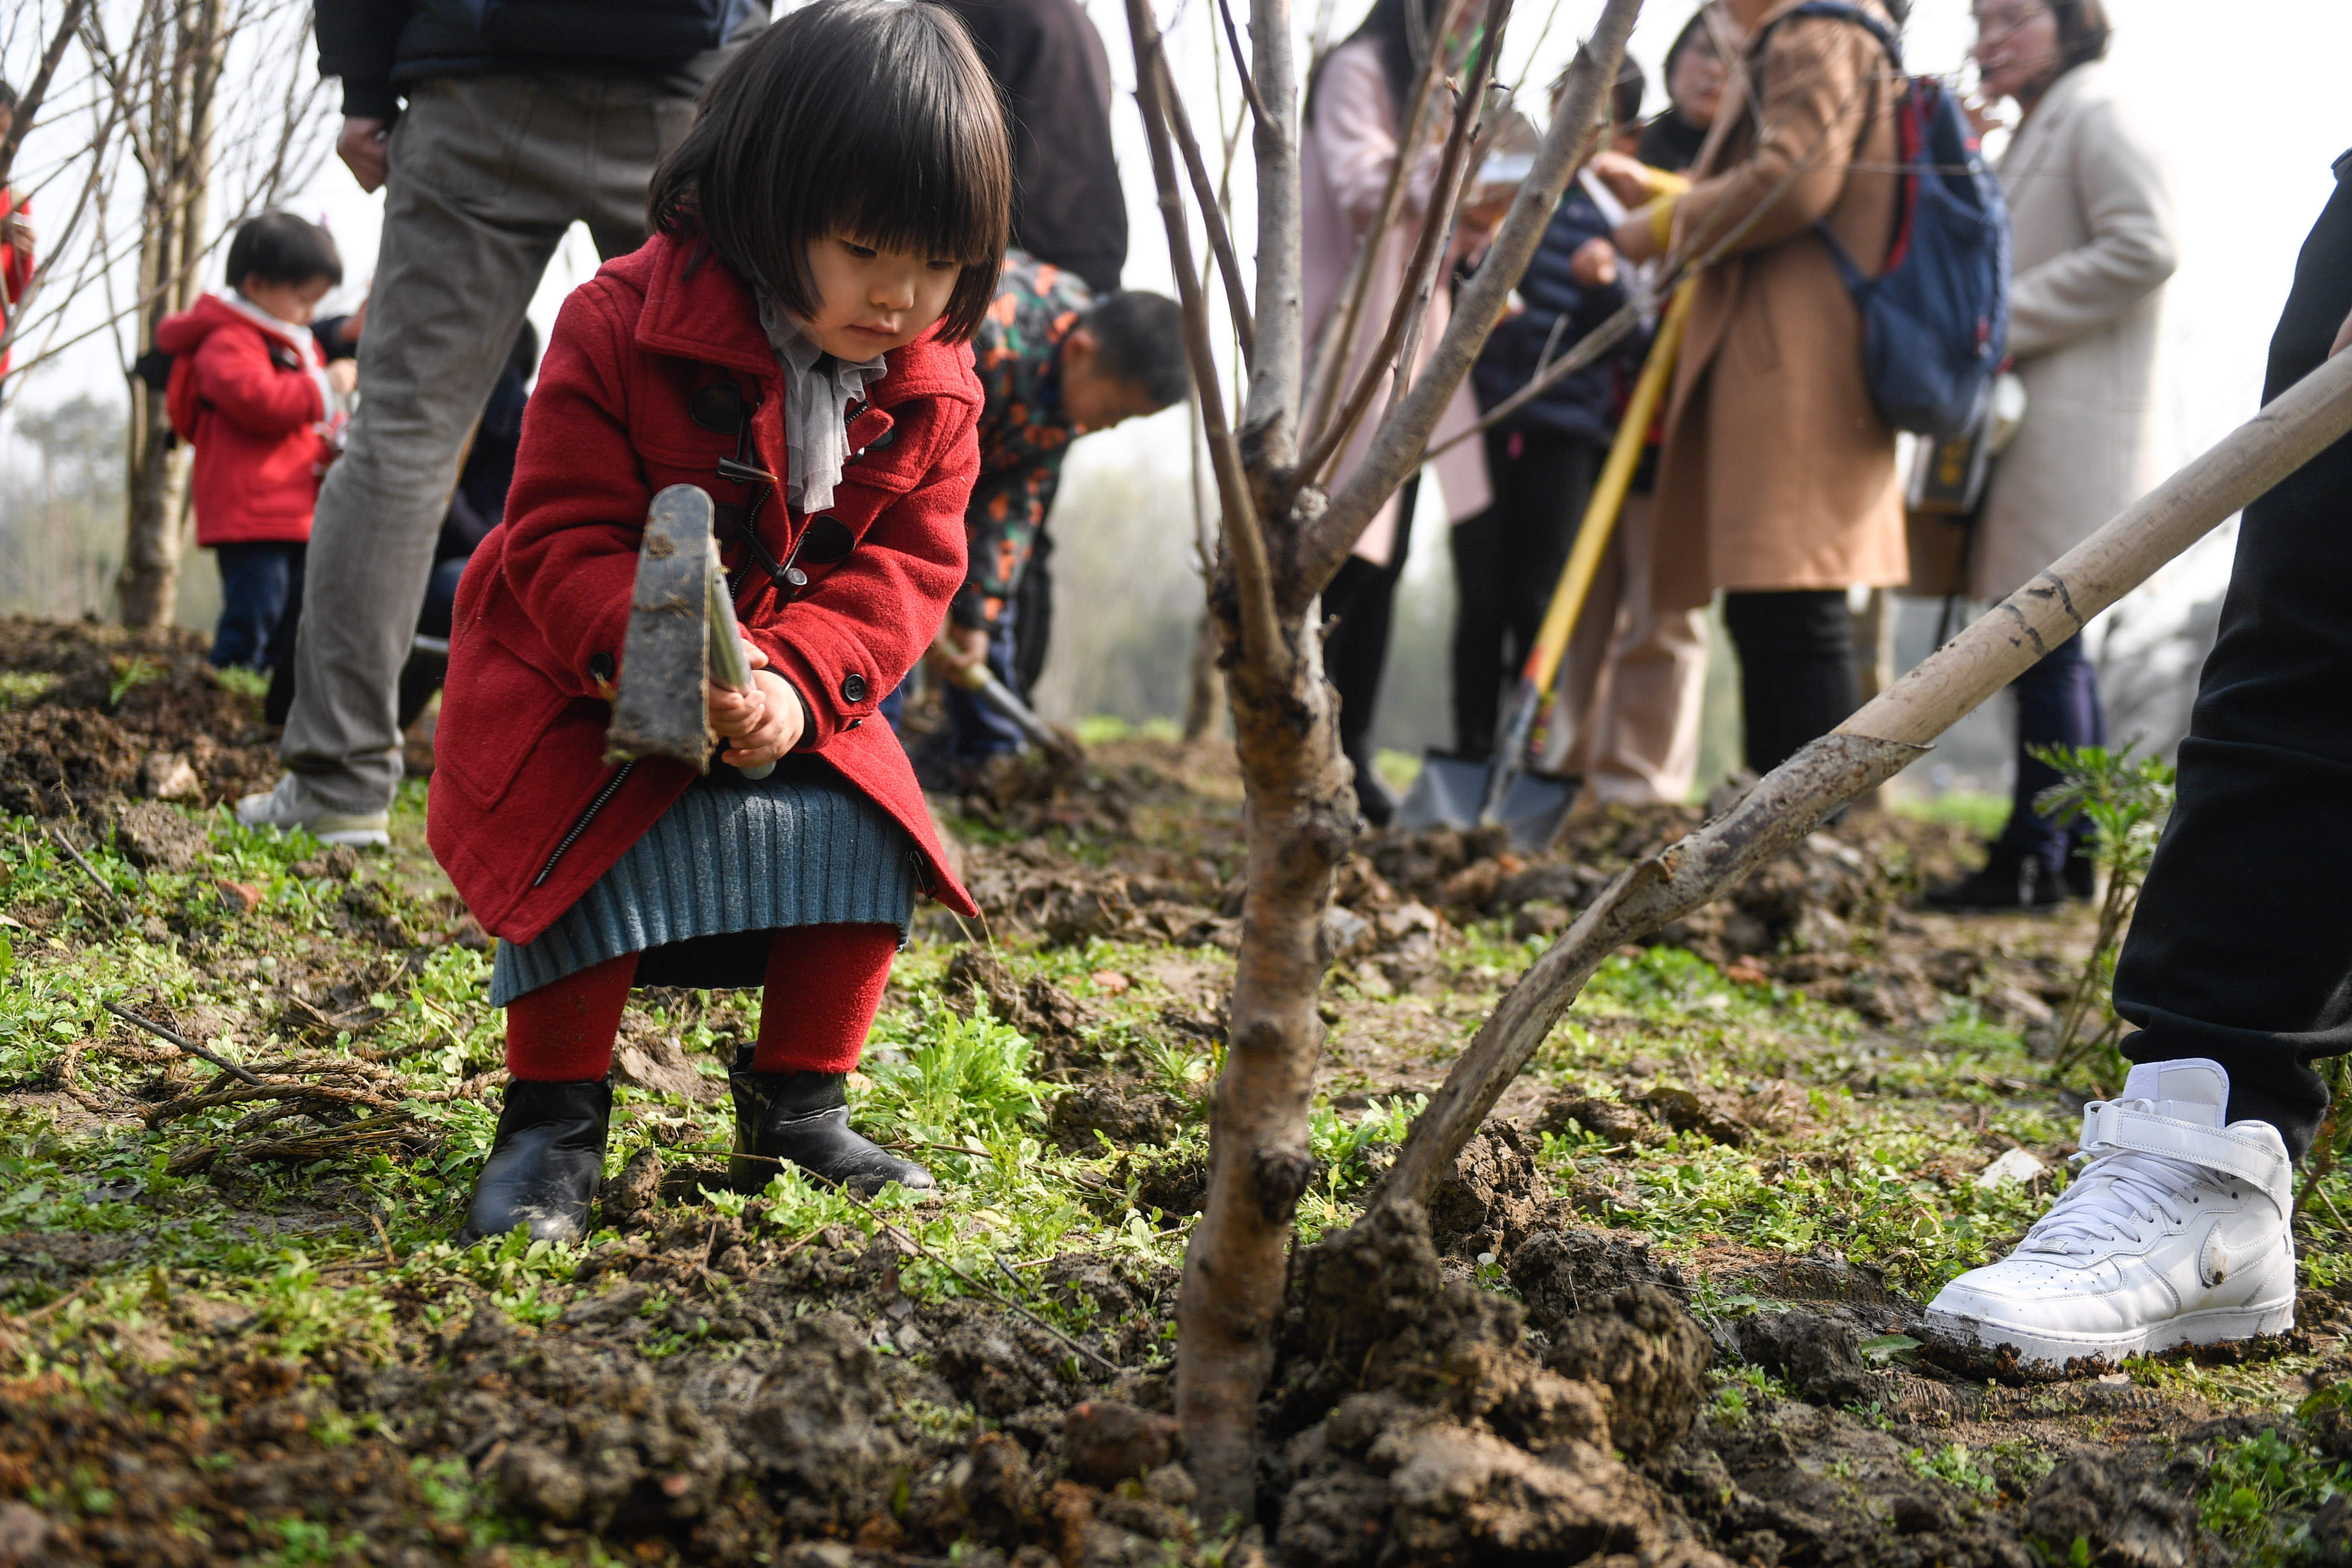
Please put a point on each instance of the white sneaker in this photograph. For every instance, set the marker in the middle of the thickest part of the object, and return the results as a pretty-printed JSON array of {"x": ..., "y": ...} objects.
[
  {"x": 288, "y": 807},
  {"x": 2175, "y": 1233}
]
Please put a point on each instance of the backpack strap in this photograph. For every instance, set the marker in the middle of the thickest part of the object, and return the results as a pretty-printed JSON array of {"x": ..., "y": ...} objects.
[{"x": 1849, "y": 273}]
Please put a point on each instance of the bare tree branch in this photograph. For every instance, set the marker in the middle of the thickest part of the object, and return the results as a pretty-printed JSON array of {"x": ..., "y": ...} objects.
[
  {"x": 1335, "y": 350},
  {"x": 1245, "y": 542},
  {"x": 1241, "y": 61},
  {"x": 1270, "y": 418},
  {"x": 1421, "y": 272},
  {"x": 1212, "y": 218},
  {"x": 28, "y": 104},
  {"x": 1397, "y": 449}
]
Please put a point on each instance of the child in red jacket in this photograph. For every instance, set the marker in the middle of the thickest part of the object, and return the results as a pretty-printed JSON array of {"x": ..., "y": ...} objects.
[
  {"x": 791, "y": 339},
  {"x": 251, "y": 390}
]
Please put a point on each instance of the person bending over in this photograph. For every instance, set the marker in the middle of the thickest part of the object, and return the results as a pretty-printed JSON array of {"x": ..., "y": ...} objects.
[
  {"x": 827, "y": 236},
  {"x": 1056, "y": 363}
]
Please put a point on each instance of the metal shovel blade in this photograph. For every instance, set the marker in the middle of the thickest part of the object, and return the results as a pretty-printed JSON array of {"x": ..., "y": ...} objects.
[
  {"x": 1450, "y": 791},
  {"x": 662, "y": 708}
]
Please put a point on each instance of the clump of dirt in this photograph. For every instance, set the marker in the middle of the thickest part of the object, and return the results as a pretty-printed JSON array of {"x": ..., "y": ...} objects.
[
  {"x": 1649, "y": 1354},
  {"x": 1559, "y": 1274},
  {"x": 121, "y": 713},
  {"x": 1420, "y": 1429}
]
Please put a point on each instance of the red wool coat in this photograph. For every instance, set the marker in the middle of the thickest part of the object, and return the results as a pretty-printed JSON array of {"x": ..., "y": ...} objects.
[
  {"x": 246, "y": 399},
  {"x": 524, "y": 815}
]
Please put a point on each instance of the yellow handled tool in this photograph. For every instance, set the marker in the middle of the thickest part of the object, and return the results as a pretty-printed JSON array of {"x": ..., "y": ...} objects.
[{"x": 1584, "y": 559}]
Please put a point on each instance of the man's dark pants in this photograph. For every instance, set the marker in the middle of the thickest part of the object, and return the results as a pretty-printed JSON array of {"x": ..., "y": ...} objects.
[{"x": 2242, "y": 947}]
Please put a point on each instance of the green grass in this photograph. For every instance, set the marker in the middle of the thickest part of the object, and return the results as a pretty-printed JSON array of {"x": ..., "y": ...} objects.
[
  {"x": 1102, "y": 727},
  {"x": 1983, "y": 815}
]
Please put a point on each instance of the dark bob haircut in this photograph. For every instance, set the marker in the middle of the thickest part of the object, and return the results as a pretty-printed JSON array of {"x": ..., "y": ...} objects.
[
  {"x": 872, "y": 118},
  {"x": 2083, "y": 32},
  {"x": 278, "y": 247}
]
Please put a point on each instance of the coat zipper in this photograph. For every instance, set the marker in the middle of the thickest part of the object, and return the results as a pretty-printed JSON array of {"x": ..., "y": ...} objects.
[{"x": 603, "y": 798}]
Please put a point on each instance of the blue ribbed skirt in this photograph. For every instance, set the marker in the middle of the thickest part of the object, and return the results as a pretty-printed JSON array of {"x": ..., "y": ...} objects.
[{"x": 731, "y": 861}]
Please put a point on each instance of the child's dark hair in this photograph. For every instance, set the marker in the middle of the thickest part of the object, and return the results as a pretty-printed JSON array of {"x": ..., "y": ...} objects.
[
  {"x": 278, "y": 247},
  {"x": 872, "y": 118},
  {"x": 1139, "y": 337}
]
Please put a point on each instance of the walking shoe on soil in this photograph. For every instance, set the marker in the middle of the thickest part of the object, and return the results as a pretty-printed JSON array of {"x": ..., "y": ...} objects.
[
  {"x": 802, "y": 1119},
  {"x": 2010, "y": 879},
  {"x": 290, "y": 806},
  {"x": 2175, "y": 1233},
  {"x": 547, "y": 1162}
]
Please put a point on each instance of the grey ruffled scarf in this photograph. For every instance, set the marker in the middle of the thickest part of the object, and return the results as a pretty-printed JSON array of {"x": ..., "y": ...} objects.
[{"x": 818, "y": 389}]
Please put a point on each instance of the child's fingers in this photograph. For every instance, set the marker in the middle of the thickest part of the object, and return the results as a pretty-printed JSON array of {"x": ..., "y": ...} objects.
[{"x": 753, "y": 657}]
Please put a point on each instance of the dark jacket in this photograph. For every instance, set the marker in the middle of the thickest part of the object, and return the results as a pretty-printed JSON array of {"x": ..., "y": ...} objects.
[
  {"x": 524, "y": 812},
  {"x": 379, "y": 46},
  {"x": 1068, "y": 207},
  {"x": 1560, "y": 312}
]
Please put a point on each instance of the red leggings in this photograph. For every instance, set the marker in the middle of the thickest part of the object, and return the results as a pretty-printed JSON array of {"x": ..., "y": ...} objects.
[{"x": 823, "y": 986}]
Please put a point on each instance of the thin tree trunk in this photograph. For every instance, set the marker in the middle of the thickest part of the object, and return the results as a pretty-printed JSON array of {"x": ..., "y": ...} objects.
[
  {"x": 1277, "y": 544},
  {"x": 171, "y": 250}
]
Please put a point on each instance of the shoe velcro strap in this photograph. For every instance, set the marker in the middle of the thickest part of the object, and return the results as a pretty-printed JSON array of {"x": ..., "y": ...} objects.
[{"x": 2108, "y": 1125}]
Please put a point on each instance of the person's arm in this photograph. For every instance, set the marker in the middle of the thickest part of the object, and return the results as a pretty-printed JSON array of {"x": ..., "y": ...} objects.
[
  {"x": 236, "y": 375},
  {"x": 2127, "y": 206},
  {"x": 1001, "y": 530},
  {"x": 359, "y": 41},
  {"x": 575, "y": 515},
  {"x": 1355, "y": 133},
  {"x": 873, "y": 614},
  {"x": 1818, "y": 94}
]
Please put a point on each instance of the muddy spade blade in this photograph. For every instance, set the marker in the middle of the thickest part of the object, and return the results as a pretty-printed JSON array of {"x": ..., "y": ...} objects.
[
  {"x": 663, "y": 703},
  {"x": 1445, "y": 793}
]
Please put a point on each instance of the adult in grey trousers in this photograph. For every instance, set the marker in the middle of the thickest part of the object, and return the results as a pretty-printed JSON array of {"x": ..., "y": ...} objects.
[{"x": 501, "y": 147}]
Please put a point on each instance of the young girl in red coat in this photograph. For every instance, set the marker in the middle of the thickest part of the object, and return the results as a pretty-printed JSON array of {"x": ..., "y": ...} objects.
[
  {"x": 252, "y": 391},
  {"x": 793, "y": 341}
]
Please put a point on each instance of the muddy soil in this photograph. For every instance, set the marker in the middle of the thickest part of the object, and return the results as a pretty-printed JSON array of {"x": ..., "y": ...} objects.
[
  {"x": 1515, "y": 1375},
  {"x": 101, "y": 715}
]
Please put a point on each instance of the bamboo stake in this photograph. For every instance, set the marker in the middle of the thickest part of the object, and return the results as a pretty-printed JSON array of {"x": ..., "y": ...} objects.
[{"x": 1873, "y": 747}]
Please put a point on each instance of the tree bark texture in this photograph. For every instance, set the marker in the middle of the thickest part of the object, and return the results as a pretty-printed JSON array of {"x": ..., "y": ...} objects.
[
  {"x": 180, "y": 61},
  {"x": 1872, "y": 746},
  {"x": 1300, "y": 807}
]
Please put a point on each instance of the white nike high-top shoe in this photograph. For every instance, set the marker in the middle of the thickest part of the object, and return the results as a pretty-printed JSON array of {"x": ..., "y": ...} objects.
[{"x": 2175, "y": 1233}]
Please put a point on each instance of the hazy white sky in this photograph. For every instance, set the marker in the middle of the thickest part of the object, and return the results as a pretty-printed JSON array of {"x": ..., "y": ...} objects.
[{"x": 2247, "y": 102}]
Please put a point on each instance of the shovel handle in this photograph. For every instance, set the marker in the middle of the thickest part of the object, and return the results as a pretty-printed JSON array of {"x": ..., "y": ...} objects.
[{"x": 1608, "y": 495}]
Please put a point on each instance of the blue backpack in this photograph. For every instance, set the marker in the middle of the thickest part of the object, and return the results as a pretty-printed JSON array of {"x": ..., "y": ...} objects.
[{"x": 1935, "y": 319}]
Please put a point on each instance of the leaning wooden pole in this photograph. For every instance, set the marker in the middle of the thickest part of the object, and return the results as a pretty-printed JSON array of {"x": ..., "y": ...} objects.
[{"x": 1875, "y": 745}]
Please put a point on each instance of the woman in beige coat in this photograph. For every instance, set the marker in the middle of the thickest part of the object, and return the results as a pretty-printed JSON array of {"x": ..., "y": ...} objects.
[
  {"x": 2093, "y": 230},
  {"x": 1777, "y": 485},
  {"x": 1353, "y": 104}
]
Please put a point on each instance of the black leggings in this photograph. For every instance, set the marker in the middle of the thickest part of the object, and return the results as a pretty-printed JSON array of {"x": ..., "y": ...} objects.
[
  {"x": 1797, "y": 679},
  {"x": 1362, "y": 595}
]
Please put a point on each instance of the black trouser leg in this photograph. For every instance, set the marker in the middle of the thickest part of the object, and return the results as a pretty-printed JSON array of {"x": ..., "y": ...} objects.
[
  {"x": 1477, "y": 545},
  {"x": 1796, "y": 668},
  {"x": 1506, "y": 561},
  {"x": 2240, "y": 949},
  {"x": 2057, "y": 704},
  {"x": 1361, "y": 595}
]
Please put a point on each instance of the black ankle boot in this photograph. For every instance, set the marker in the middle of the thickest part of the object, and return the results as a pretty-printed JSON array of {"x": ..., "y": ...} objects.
[
  {"x": 802, "y": 1119},
  {"x": 2010, "y": 879},
  {"x": 546, "y": 1164}
]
